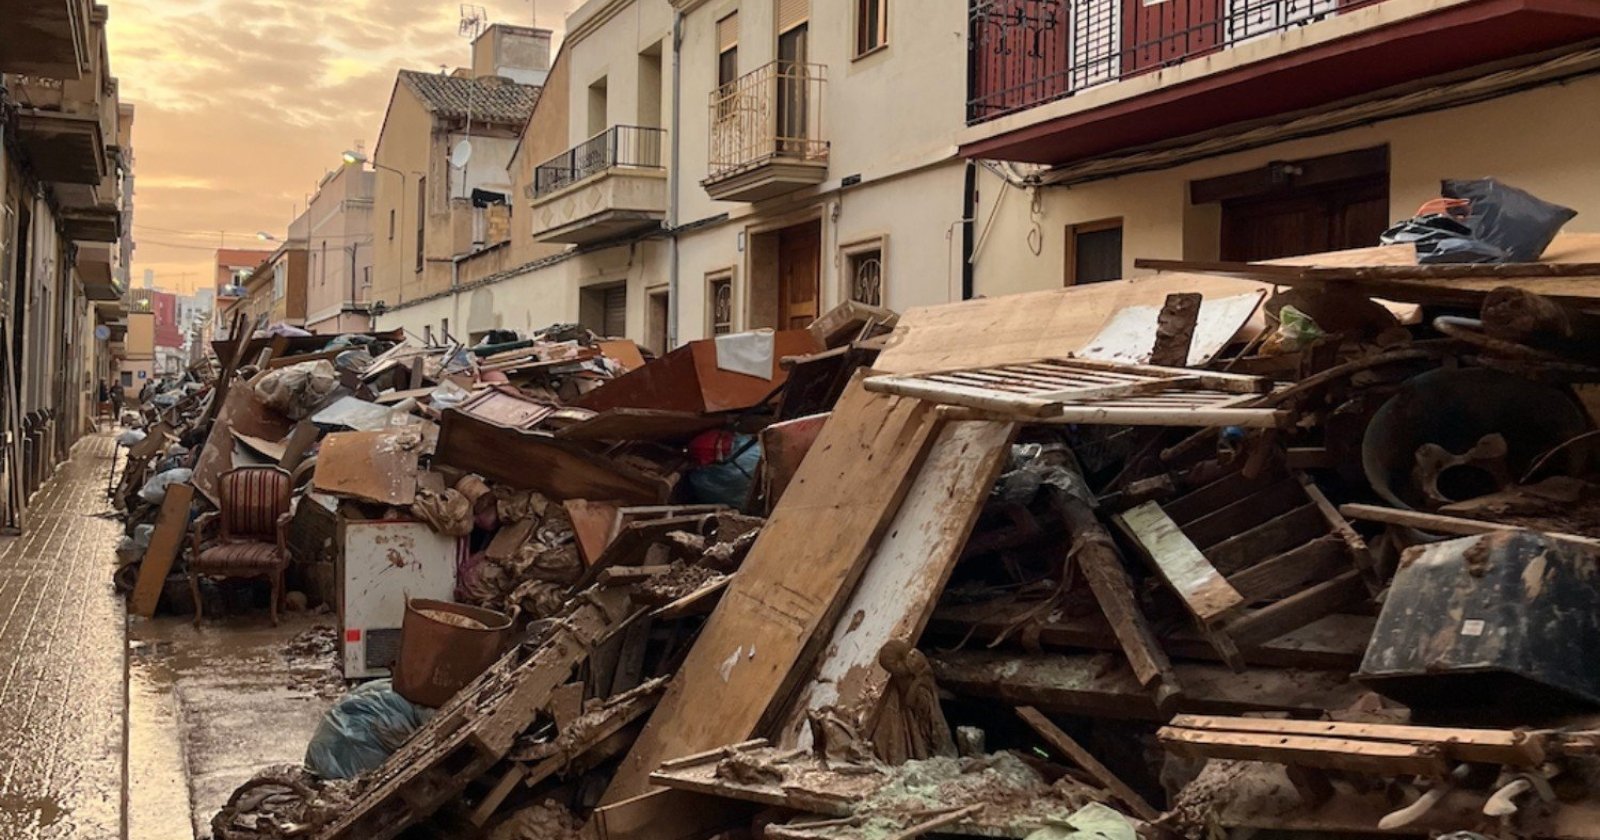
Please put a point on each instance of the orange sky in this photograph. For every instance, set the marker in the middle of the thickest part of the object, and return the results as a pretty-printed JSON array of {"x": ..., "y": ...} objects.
[{"x": 243, "y": 105}]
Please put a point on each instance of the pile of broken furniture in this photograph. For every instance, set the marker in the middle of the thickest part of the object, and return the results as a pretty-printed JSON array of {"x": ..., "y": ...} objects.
[{"x": 1305, "y": 545}]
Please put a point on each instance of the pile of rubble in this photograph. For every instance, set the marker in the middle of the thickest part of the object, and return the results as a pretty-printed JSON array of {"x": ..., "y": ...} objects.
[{"x": 1306, "y": 545}]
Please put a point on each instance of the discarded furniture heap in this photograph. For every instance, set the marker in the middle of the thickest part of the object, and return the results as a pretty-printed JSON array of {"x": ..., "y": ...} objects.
[{"x": 1306, "y": 545}]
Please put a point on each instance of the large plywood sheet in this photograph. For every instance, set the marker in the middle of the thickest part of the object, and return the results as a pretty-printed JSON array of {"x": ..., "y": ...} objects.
[
  {"x": 908, "y": 570},
  {"x": 754, "y": 647}
]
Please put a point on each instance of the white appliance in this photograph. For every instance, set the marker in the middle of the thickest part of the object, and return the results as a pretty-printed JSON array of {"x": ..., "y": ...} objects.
[{"x": 383, "y": 562}]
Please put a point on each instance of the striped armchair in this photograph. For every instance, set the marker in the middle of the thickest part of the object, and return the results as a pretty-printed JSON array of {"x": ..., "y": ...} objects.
[{"x": 252, "y": 540}]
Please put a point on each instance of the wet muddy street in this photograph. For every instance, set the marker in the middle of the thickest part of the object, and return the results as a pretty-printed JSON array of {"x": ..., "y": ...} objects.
[
  {"x": 208, "y": 708},
  {"x": 116, "y": 727}
]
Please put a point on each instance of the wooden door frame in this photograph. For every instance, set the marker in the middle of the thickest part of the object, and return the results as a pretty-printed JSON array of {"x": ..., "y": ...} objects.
[{"x": 748, "y": 269}]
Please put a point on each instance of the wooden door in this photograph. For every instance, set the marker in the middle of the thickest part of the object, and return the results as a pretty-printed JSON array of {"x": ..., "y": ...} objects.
[
  {"x": 1347, "y": 215},
  {"x": 1165, "y": 31},
  {"x": 799, "y": 275}
]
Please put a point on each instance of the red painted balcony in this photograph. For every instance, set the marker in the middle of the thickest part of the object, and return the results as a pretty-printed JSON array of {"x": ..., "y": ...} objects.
[{"x": 1057, "y": 81}]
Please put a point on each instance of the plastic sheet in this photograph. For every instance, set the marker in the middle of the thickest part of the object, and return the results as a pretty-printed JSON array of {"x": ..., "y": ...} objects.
[
  {"x": 155, "y": 489},
  {"x": 362, "y": 730}
]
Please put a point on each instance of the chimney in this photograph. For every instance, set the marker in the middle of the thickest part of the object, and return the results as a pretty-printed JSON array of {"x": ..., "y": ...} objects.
[{"x": 518, "y": 53}]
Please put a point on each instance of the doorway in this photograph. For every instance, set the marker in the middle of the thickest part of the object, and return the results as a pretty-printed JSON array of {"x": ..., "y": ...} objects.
[
  {"x": 1307, "y": 206},
  {"x": 786, "y": 276}
]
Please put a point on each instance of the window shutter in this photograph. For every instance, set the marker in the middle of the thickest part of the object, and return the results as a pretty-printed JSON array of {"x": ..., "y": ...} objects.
[
  {"x": 728, "y": 33},
  {"x": 792, "y": 13}
]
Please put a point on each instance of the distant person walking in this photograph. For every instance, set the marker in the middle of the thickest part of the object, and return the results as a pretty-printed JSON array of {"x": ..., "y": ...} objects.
[{"x": 117, "y": 398}]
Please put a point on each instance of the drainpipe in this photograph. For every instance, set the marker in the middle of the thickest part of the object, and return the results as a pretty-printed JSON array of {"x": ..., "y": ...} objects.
[
  {"x": 969, "y": 206},
  {"x": 673, "y": 181}
]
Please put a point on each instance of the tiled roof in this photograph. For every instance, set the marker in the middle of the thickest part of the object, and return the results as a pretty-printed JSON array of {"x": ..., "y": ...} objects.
[{"x": 491, "y": 100}]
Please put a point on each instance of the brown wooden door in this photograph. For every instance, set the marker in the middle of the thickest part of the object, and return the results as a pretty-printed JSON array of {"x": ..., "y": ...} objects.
[
  {"x": 1154, "y": 34},
  {"x": 1349, "y": 215},
  {"x": 799, "y": 275}
]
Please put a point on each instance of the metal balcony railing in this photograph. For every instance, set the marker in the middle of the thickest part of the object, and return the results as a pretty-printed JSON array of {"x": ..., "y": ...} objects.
[
  {"x": 620, "y": 145},
  {"x": 772, "y": 112},
  {"x": 1025, "y": 53}
]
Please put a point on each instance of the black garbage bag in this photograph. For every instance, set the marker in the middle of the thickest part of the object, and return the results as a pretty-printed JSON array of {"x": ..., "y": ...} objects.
[{"x": 1512, "y": 220}]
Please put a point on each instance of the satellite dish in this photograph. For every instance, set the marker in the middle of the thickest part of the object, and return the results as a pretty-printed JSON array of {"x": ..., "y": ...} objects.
[{"x": 461, "y": 154}]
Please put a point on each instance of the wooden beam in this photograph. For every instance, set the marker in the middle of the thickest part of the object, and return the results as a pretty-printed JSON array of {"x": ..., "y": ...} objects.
[
  {"x": 172, "y": 523},
  {"x": 1442, "y": 524},
  {"x": 1062, "y": 743},
  {"x": 1516, "y": 747},
  {"x": 1298, "y": 610},
  {"x": 1372, "y": 757}
]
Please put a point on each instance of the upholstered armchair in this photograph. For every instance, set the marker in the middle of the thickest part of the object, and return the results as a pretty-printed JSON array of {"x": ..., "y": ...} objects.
[{"x": 251, "y": 525}]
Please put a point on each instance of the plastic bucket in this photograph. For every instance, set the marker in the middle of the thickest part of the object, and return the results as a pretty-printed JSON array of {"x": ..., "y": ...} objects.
[{"x": 445, "y": 646}]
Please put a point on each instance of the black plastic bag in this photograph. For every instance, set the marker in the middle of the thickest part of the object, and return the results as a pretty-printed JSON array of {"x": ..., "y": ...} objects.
[{"x": 1515, "y": 221}]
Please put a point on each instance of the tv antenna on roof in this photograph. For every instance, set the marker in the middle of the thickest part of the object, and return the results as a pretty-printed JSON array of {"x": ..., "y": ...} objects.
[{"x": 474, "y": 19}]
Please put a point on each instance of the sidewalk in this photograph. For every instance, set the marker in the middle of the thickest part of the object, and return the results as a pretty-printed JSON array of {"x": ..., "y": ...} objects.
[{"x": 63, "y": 662}]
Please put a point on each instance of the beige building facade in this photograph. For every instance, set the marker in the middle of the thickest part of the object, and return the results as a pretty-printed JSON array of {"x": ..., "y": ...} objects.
[{"x": 339, "y": 243}]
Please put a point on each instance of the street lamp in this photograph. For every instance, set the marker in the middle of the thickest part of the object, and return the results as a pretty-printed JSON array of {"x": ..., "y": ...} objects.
[{"x": 265, "y": 237}]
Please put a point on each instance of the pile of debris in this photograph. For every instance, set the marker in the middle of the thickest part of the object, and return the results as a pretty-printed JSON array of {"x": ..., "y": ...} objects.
[{"x": 1306, "y": 545}]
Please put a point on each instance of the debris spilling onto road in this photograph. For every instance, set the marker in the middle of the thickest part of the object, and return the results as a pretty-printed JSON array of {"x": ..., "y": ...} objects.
[{"x": 1306, "y": 545}]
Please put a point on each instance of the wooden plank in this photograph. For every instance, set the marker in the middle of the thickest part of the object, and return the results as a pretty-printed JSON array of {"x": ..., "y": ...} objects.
[
  {"x": 531, "y": 460},
  {"x": 172, "y": 524},
  {"x": 1062, "y": 743},
  {"x": 1291, "y": 570},
  {"x": 1208, "y": 596},
  {"x": 907, "y": 572},
  {"x": 1208, "y": 497},
  {"x": 1374, "y": 757},
  {"x": 1096, "y": 556},
  {"x": 1035, "y": 325},
  {"x": 1298, "y": 610},
  {"x": 301, "y": 439},
  {"x": 1516, "y": 747},
  {"x": 1214, "y": 527},
  {"x": 667, "y": 815},
  {"x": 1360, "y": 555},
  {"x": 640, "y": 424},
  {"x": 1442, "y": 524},
  {"x": 1270, "y": 538},
  {"x": 807, "y": 559},
  {"x": 1082, "y": 684},
  {"x": 1175, "y": 329},
  {"x": 1279, "y": 273}
]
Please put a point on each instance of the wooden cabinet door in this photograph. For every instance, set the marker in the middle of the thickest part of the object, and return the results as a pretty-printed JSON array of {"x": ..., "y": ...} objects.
[{"x": 799, "y": 275}]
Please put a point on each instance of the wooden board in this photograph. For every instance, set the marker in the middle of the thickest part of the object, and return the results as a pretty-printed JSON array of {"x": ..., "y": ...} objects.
[
  {"x": 172, "y": 524},
  {"x": 593, "y": 524},
  {"x": 640, "y": 424},
  {"x": 1378, "y": 757},
  {"x": 688, "y": 379},
  {"x": 907, "y": 572},
  {"x": 1516, "y": 747},
  {"x": 807, "y": 559},
  {"x": 1208, "y": 596},
  {"x": 1033, "y": 325},
  {"x": 1062, "y": 743},
  {"x": 531, "y": 460},
  {"x": 242, "y": 410},
  {"x": 373, "y": 466},
  {"x": 1082, "y": 684}
]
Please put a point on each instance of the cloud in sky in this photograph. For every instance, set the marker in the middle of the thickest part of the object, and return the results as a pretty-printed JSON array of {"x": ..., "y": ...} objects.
[{"x": 243, "y": 106}]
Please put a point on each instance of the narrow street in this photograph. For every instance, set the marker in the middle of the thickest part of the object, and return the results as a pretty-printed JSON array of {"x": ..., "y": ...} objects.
[{"x": 62, "y": 653}]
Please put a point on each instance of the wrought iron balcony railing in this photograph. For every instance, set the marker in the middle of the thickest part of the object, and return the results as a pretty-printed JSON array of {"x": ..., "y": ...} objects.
[
  {"x": 773, "y": 112},
  {"x": 618, "y": 146},
  {"x": 1028, "y": 52}
]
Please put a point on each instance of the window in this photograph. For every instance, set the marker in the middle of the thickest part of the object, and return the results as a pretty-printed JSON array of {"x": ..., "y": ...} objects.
[
  {"x": 863, "y": 264},
  {"x": 391, "y": 225},
  {"x": 427, "y": 334},
  {"x": 598, "y": 104},
  {"x": 650, "y": 87},
  {"x": 727, "y": 50},
  {"x": 872, "y": 25},
  {"x": 1094, "y": 252},
  {"x": 604, "y": 310},
  {"x": 444, "y": 329},
  {"x": 719, "y": 300},
  {"x": 280, "y": 280},
  {"x": 324, "y": 262},
  {"x": 422, "y": 216}
]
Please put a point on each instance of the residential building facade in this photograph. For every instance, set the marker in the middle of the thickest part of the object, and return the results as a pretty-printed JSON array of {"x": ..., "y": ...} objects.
[
  {"x": 340, "y": 247},
  {"x": 65, "y": 172},
  {"x": 1247, "y": 130},
  {"x": 233, "y": 267}
]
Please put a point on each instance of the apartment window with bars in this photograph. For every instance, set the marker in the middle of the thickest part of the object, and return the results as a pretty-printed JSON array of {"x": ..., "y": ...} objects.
[
  {"x": 719, "y": 300},
  {"x": 872, "y": 26},
  {"x": 863, "y": 266}
]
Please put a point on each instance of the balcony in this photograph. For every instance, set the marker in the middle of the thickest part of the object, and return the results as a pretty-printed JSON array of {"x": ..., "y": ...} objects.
[
  {"x": 1056, "y": 82},
  {"x": 45, "y": 37},
  {"x": 96, "y": 273},
  {"x": 61, "y": 125},
  {"x": 767, "y": 133},
  {"x": 611, "y": 185}
]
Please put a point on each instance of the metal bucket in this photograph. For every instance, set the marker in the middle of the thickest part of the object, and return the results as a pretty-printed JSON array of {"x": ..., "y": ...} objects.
[{"x": 439, "y": 658}]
